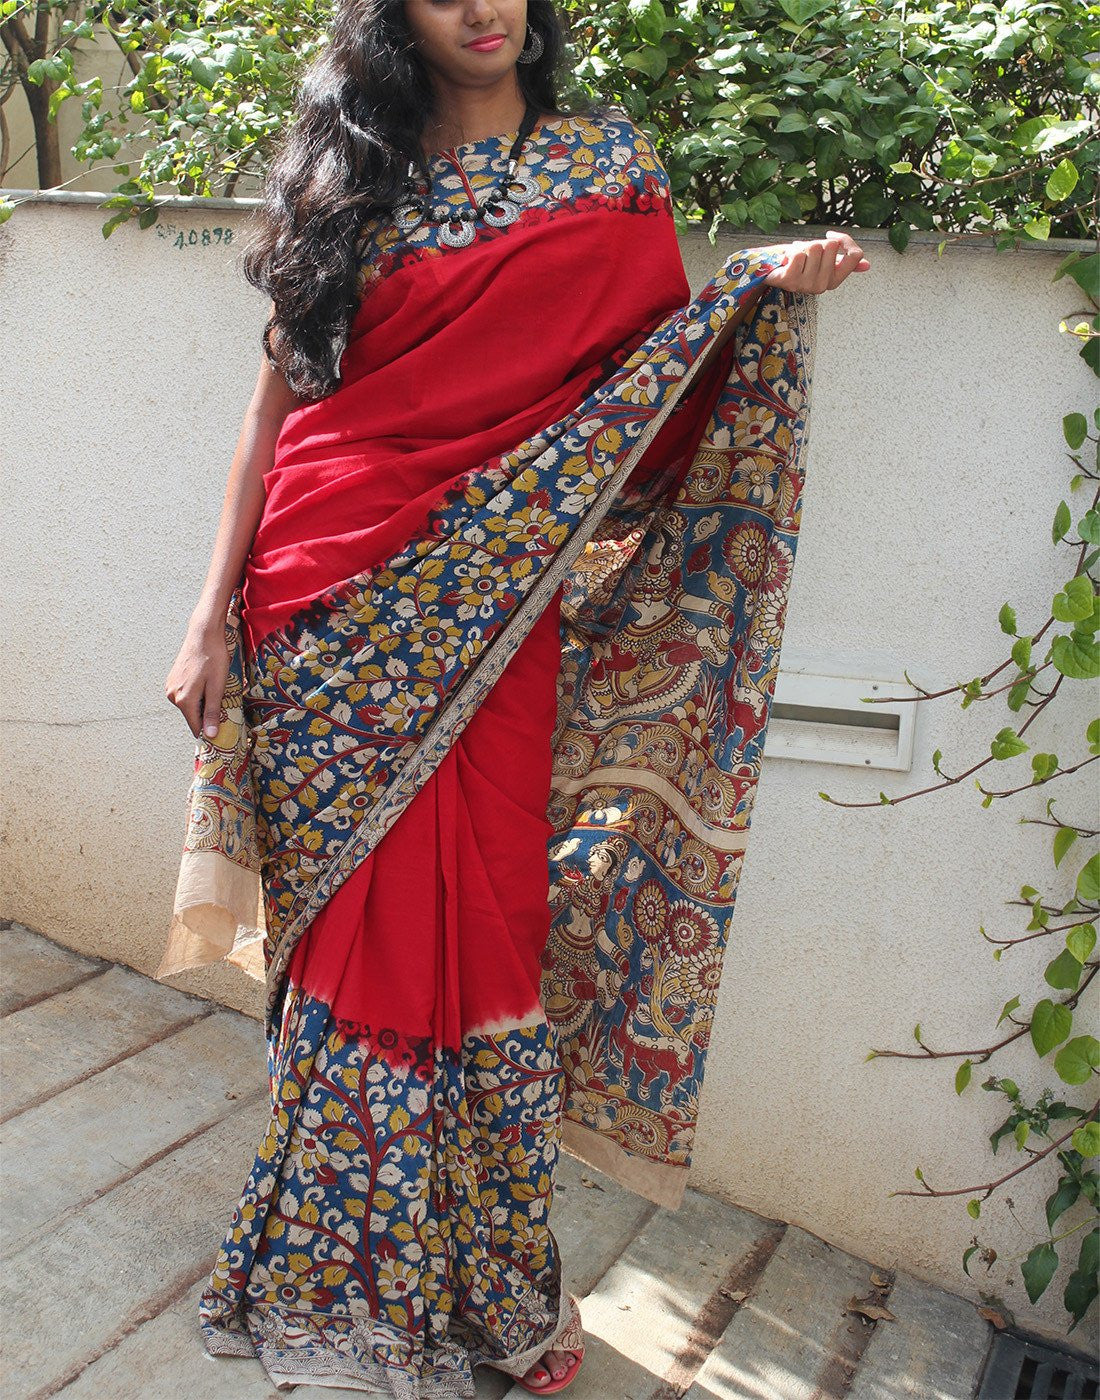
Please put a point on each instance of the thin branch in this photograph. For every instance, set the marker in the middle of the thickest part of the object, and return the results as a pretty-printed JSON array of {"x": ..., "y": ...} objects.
[
  {"x": 979, "y": 1057},
  {"x": 991, "y": 1186}
]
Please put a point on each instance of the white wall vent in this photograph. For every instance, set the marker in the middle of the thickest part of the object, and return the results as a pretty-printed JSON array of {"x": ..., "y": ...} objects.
[{"x": 818, "y": 716}]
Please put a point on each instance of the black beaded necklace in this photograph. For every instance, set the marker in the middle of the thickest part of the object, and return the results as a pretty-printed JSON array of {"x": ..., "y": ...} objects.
[{"x": 497, "y": 207}]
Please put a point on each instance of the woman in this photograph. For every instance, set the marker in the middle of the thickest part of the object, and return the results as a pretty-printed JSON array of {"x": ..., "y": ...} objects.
[{"x": 502, "y": 563}]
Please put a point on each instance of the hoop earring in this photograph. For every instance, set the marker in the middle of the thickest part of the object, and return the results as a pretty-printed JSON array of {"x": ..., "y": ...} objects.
[{"x": 529, "y": 55}]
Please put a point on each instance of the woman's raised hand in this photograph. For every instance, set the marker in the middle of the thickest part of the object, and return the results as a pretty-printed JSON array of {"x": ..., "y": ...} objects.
[
  {"x": 818, "y": 264},
  {"x": 196, "y": 682}
]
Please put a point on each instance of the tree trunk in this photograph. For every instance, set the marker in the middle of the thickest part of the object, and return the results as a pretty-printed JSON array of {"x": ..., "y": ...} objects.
[{"x": 47, "y": 140}]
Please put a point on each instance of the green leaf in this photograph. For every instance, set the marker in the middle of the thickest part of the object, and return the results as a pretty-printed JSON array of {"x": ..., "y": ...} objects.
[
  {"x": 1063, "y": 973},
  {"x": 1081, "y": 940},
  {"x": 1092, "y": 736},
  {"x": 1050, "y": 1024},
  {"x": 764, "y": 210},
  {"x": 205, "y": 72},
  {"x": 1038, "y": 1269},
  {"x": 1060, "y": 1200},
  {"x": 1076, "y": 657},
  {"x": 651, "y": 61},
  {"x": 802, "y": 10},
  {"x": 1021, "y": 653},
  {"x": 1021, "y": 1133},
  {"x": 1078, "y": 1059},
  {"x": 1008, "y": 1008},
  {"x": 962, "y": 1076},
  {"x": 1044, "y": 134},
  {"x": 1088, "y": 527},
  {"x": 871, "y": 205},
  {"x": 1075, "y": 429},
  {"x": 1062, "y": 521},
  {"x": 1007, "y": 618},
  {"x": 1089, "y": 1258},
  {"x": 1086, "y": 1139},
  {"x": 1083, "y": 1284},
  {"x": 1064, "y": 838},
  {"x": 974, "y": 1208},
  {"x": 1007, "y": 744},
  {"x": 1076, "y": 600},
  {"x": 239, "y": 60},
  {"x": 899, "y": 237},
  {"x": 1085, "y": 271},
  {"x": 1088, "y": 880},
  {"x": 1062, "y": 180}
]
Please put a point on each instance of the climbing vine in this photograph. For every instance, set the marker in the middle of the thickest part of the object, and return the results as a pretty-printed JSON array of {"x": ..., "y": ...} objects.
[{"x": 1044, "y": 664}]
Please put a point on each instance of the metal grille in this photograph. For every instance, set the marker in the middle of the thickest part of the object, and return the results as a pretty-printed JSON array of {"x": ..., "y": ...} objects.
[{"x": 1020, "y": 1368}]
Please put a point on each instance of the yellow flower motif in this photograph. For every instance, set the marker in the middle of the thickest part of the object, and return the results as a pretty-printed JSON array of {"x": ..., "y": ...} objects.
[
  {"x": 755, "y": 474},
  {"x": 309, "y": 1152},
  {"x": 699, "y": 976},
  {"x": 529, "y": 526},
  {"x": 643, "y": 388},
  {"x": 396, "y": 1279},
  {"x": 432, "y": 638},
  {"x": 480, "y": 585},
  {"x": 754, "y": 426},
  {"x": 347, "y": 806},
  {"x": 399, "y": 712}
]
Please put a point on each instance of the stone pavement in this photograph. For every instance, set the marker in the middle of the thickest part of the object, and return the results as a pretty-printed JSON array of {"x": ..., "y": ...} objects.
[{"x": 131, "y": 1114}]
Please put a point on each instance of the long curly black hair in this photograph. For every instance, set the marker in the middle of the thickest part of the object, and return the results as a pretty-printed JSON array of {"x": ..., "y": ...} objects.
[{"x": 360, "y": 111}]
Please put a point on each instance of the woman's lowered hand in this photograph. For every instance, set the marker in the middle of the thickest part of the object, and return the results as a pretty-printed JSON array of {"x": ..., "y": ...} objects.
[
  {"x": 196, "y": 682},
  {"x": 818, "y": 264}
]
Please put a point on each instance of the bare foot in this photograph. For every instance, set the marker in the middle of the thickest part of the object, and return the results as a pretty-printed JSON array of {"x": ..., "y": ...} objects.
[{"x": 552, "y": 1364}]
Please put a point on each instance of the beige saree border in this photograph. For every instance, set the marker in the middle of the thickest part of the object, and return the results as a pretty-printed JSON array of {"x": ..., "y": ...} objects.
[{"x": 660, "y": 1182}]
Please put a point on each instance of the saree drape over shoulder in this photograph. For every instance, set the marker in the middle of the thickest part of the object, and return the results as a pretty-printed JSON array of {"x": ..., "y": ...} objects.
[{"x": 502, "y": 663}]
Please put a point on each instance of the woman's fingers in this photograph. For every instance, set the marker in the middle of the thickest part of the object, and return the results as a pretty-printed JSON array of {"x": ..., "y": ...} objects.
[
  {"x": 819, "y": 264},
  {"x": 212, "y": 708},
  {"x": 196, "y": 685},
  {"x": 187, "y": 702}
]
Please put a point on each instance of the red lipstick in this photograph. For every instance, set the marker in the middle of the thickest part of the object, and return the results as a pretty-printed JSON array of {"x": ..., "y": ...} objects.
[{"x": 486, "y": 43}]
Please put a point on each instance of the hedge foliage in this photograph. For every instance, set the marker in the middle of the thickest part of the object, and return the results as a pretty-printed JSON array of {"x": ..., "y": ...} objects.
[{"x": 964, "y": 118}]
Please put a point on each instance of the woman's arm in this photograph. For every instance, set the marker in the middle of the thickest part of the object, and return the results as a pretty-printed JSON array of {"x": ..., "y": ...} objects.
[{"x": 197, "y": 678}]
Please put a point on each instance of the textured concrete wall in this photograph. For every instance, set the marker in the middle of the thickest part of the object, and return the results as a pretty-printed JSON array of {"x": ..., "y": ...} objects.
[{"x": 935, "y": 465}]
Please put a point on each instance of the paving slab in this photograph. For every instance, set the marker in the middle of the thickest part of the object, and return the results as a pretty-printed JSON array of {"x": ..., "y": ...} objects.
[
  {"x": 646, "y": 1319},
  {"x": 55, "y": 1043},
  {"x": 169, "y": 1347},
  {"x": 104, "y": 1270},
  {"x": 791, "y": 1337},
  {"x": 593, "y": 1219},
  {"x": 935, "y": 1350},
  {"x": 135, "y": 1111},
  {"x": 32, "y": 967},
  {"x": 78, "y": 1144}
]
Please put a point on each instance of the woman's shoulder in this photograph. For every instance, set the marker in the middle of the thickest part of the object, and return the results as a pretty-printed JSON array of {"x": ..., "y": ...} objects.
[{"x": 607, "y": 138}]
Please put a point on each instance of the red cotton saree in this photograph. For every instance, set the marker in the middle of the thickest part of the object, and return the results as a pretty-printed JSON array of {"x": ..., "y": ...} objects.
[{"x": 502, "y": 662}]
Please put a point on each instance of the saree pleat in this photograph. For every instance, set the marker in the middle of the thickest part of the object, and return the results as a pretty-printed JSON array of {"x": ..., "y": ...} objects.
[
  {"x": 500, "y": 674},
  {"x": 394, "y": 1232}
]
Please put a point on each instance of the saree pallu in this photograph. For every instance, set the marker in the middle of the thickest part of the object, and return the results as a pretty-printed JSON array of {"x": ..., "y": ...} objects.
[{"x": 501, "y": 667}]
